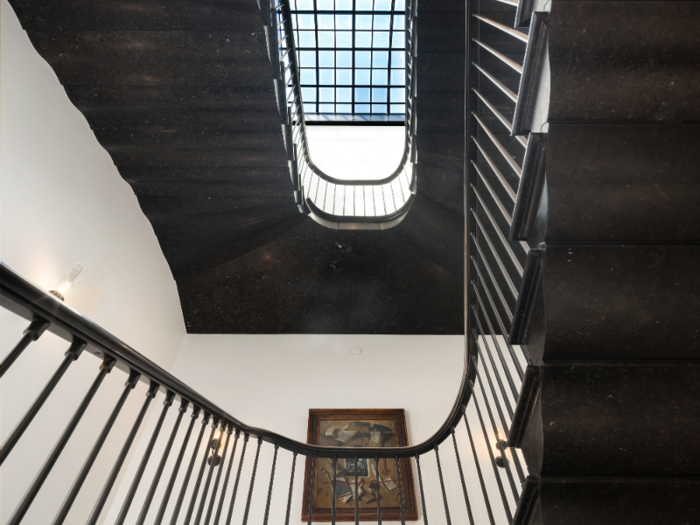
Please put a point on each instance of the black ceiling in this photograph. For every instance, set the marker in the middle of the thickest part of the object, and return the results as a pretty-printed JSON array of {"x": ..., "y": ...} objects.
[{"x": 180, "y": 94}]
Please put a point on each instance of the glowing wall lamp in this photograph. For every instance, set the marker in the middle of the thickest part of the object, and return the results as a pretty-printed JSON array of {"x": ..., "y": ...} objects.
[{"x": 64, "y": 286}]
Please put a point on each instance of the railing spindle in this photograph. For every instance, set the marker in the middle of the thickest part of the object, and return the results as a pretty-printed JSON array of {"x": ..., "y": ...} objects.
[
  {"x": 19, "y": 513},
  {"x": 238, "y": 478},
  {"x": 422, "y": 493},
  {"x": 229, "y": 430},
  {"x": 200, "y": 475},
  {"x": 269, "y": 490},
  {"x": 478, "y": 471},
  {"x": 78, "y": 483},
  {"x": 33, "y": 332},
  {"x": 161, "y": 466},
  {"x": 442, "y": 486},
  {"x": 213, "y": 445},
  {"x": 76, "y": 348},
  {"x": 169, "y": 396},
  {"x": 461, "y": 477},
  {"x": 104, "y": 495},
  {"x": 228, "y": 475},
  {"x": 311, "y": 489},
  {"x": 176, "y": 468},
  {"x": 399, "y": 475},
  {"x": 379, "y": 490},
  {"x": 357, "y": 504},
  {"x": 291, "y": 485},
  {"x": 190, "y": 468},
  {"x": 252, "y": 483},
  {"x": 335, "y": 470}
]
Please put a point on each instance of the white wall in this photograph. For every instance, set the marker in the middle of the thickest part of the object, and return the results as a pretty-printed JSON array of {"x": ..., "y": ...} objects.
[
  {"x": 271, "y": 381},
  {"x": 64, "y": 202}
]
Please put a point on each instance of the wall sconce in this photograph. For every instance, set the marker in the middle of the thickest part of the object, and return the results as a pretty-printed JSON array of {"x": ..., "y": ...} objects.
[
  {"x": 66, "y": 284},
  {"x": 501, "y": 460},
  {"x": 215, "y": 459}
]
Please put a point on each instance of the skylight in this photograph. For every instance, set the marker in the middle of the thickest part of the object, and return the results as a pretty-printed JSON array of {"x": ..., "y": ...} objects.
[{"x": 351, "y": 56}]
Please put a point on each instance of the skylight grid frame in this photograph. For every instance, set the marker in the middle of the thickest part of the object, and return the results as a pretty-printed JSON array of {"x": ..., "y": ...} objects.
[{"x": 362, "y": 90}]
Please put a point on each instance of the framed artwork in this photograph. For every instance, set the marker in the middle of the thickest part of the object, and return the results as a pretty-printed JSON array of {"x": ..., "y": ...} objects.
[{"x": 358, "y": 428}]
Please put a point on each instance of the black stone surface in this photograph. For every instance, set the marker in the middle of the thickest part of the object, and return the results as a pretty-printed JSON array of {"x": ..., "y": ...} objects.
[{"x": 180, "y": 94}]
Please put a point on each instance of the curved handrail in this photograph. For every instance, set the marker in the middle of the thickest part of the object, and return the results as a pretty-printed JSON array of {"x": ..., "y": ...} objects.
[
  {"x": 27, "y": 300},
  {"x": 282, "y": 54}
]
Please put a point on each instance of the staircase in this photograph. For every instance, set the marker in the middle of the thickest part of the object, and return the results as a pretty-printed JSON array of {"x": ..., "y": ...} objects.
[
  {"x": 593, "y": 267},
  {"x": 581, "y": 239}
]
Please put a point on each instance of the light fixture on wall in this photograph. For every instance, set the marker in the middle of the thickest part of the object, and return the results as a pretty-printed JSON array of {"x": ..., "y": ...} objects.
[
  {"x": 66, "y": 284},
  {"x": 215, "y": 459},
  {"x": 501, "y": 460}
]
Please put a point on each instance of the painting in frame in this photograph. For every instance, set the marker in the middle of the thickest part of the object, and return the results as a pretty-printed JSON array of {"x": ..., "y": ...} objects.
[{"x": 358, "y": 428}]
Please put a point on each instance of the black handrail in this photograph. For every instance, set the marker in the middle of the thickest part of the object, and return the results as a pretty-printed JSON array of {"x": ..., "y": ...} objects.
[{"x": 27, "y": 300}]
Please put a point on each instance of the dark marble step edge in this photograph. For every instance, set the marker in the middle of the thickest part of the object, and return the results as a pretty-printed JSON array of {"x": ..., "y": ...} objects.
[
  {"x": 535, "y": 56},
  {"x": 525, "y": 406},
  {"x": 530, "y": 188},
  {"x": 532, "y": 274}
]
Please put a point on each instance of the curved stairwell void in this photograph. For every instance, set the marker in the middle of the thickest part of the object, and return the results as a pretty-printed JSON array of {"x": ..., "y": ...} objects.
[
  {"x": 183, "y": 99},
  {"x": 332, "y": 202}
]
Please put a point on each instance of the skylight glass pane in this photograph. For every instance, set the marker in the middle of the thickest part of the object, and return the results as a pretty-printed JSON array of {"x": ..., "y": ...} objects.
[
  {"x": 363, "y": 59},
  {"x": 344, "y": 58},
  {"x": 343, "y": 39},
  {"x": 363, "y": 22},
  {"x": 343, "y": 21},
  {"x": 363, "y": 39},
  {"x": 326, "y": 58},
  {"x": 380, "y": 59},
  {"x": 344, "y": 77},
  {"x": 362, "y": 77},
  {"x": 326, "y": 39},
  {"x": 351, "y": 49}
]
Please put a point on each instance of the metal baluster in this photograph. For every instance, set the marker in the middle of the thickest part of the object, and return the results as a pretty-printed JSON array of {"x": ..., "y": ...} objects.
[
  {"x": 78, "y": 483},
  {"x": 73, "y": 352},
  {"x": 190, "y": 468},
  {"x": 161, "y": 465},
  {"x": 238, "y": 478},
  {"x": 33, "y": 332},
  {"x": 311, "y": 489},
  {"x": 169, "y": 396},
  {"x": 399, "y": 475},
  {"x": 102, "y": 500},
  {"x": 291, "y": 484},
  {"x": 176, "y": 468},
  {"x": 228, "y": 474},
  {"x": 202, "y": 466},
  {"x": 218, "y": 474},
  {"x": 25, "y": 503},
  {"x": 252, "y": 482},
  {"x": 461, "y": 477},
  {"x": 335, "y": 474},
  {"x": 442, "y": 486},
  {"x": 379, "y": 490},
  {"x": 498, "y": 439},
  {"x": 422, "y": 494},
  {"x": 213, "y": 445},
  {"x": 478, "y": 471},
  {"x": 357, "y": 504},
  {"x": 493, "y": 460},
  {"x": 272, "y": 479}
]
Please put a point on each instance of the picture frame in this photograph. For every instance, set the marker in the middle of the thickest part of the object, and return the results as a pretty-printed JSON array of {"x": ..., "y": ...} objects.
[{"x": 358, "y": 428}]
